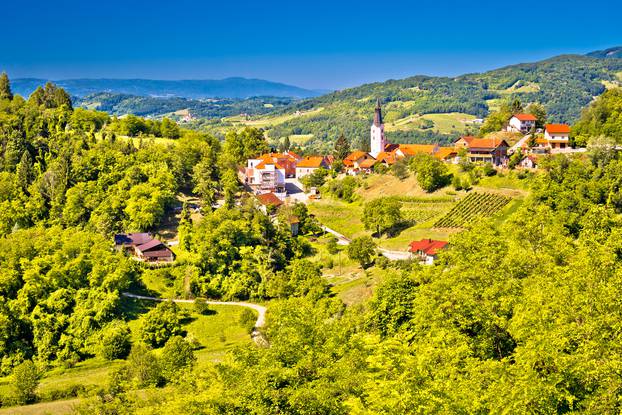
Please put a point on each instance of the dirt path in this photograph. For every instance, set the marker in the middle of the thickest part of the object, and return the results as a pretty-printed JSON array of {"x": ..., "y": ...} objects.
[{"x": 256, "y": 335}]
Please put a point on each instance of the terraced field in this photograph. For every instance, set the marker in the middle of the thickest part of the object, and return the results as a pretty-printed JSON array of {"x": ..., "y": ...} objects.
[{"x": 472, "y": 208}]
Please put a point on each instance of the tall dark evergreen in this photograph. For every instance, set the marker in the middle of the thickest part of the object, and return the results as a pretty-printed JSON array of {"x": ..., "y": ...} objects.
[
  {"x": 342, "y": 148},
  {"x": 5, "y": 87}
]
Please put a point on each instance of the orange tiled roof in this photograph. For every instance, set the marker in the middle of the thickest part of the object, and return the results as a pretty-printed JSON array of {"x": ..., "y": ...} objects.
[
  {"x": 474, "y": 142},
  {"x": 412, "y": 149},
  {"x": 388, "y": 157},
  {"x": 311, "y": 162},
  {"x": 365, "y": 164},
  {"x": 525, "y": 117},
  {"x": 444, "y": 152},
  {"x": 558, "y": 128},
  {"x": 355, "y": 155}
]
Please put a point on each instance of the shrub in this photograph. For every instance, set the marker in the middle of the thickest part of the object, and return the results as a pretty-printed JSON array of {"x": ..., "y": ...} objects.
[
  {"x": 115, "y": 341},
  {"x": 201, "y": 307},
  {"x": 362, "y": 250},
  {"x": 144, "y": 366},
  {"x": 25, "y": 382},
  {"x": 177, "y": 355},
  {"x": 248, "y": 319},
  {"x": 161, "y": 323}
]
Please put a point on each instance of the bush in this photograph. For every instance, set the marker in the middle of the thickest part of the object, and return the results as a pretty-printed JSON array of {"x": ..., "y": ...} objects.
[
  {"x": 25, "y": 382},
  {"x": 144, "y": 366},
  {"x": 201, "y": 307},
  {"x": 177, "y": 355},
  {"x": 161, "y": 323},
  {"x": 248, "y": 319},
  {"x": 332, "y": 247},
  {"x": 115, "y": 341}
]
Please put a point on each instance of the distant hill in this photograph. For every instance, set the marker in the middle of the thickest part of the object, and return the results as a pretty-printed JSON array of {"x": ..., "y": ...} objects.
[
  {"x": 563, "y": 84},
  {"x": 192, "y": 89},
  {"x": 175, "y": 107},
  {"x": 611, "y": 53}
]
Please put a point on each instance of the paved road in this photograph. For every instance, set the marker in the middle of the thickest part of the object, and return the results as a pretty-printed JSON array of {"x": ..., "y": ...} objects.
[{"x": 261, "y": 311}]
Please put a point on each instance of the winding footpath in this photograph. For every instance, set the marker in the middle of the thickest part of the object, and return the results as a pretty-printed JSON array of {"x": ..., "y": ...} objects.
[
  {"x": 256, "y": 335},
  {"x": 392, "y": 255}
]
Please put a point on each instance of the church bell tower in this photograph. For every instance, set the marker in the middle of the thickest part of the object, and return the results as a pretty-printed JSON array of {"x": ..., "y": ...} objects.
[{"x": 378, "y": 142}]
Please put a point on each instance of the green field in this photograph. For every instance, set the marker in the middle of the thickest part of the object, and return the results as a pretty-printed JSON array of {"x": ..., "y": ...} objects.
[
  {"x": 443, "y": 123},
  {"x": 268, "y": 120}
]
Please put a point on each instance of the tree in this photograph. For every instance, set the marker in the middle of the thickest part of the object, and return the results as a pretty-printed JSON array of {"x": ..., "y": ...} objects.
[
  {"x": 169, "y": 129},
  {"x": 230, "y": 184},
  {"x": 601, "y": 150},
  {"x": 176, "y": 355},
  {"x": 315, "y": 179},
  {"x": 115, "y": 341},
  {"x": 362, "y": 250},
  {"x": 516, "y": 107},
  {"x": 25, "y": 382},
  {"x": 382, "y": 214},
  {"x": 161, "y": 323},
  {"x": 538, "y": 111},
  {"x": 342, "y": 148},
  {"x": 5, "y": 87},
  {"x": 432, "y": 174},
  {"x": 400, "y": 169},
  {"x": 24, "y": 171}
]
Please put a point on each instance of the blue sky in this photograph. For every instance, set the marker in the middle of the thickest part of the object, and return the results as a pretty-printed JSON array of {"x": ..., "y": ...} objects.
[{"x": 313, "y": 44}]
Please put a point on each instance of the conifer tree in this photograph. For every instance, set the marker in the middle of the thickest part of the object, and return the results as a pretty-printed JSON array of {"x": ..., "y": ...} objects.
[
  {"x": 5, "y": 87},
  {"x": 342, "y": 148}
]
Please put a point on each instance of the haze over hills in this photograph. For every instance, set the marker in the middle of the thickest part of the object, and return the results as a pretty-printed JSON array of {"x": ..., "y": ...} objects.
[{"x": 235, "y": 87}]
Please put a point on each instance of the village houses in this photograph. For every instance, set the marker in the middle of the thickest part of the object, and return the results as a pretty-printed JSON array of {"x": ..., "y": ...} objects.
[{"x": 143, "y": 247}]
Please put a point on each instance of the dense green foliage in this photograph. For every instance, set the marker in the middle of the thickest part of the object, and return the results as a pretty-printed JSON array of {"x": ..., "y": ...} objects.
[
  {"x": 382, "y": 215},
  {"x": 526, "y": 315},
  {"x": 602, "y": 117}
]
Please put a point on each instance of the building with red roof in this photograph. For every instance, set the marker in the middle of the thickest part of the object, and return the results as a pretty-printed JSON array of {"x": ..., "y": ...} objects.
[
  {"x": 521, "y": 123},
  {"x": 492, "y": 150},
  {"x": 309, "y": 165},
  {"x": 144, "y": 247},
  {"x": 557, "y": 136},
  {"x": 426, "y": 250},
  {"x": 268, "y": 171}
]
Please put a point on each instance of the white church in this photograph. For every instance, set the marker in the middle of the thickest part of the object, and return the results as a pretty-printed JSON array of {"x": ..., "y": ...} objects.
[{"x": 378, "y": 141}]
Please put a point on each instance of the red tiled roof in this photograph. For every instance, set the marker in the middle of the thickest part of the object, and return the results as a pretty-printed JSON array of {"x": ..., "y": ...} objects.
[
  {"x": 558, "y": 128},
  {"x": 311, "y": 162},
  {"x": 269, "y": 199},
  {"x": 412, "y": 149},
  {"x": 427, "y": 246},
  {"x": 525, "y": 117}
]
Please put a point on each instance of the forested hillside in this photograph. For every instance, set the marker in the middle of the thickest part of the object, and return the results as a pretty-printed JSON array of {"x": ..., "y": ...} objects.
[
  {"x": 122, "y": 104},
  {"x": 564, "y": 85}
]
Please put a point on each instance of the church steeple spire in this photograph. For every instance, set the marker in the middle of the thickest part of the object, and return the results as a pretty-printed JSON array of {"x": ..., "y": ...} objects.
[{"x": 378, "y": 114}]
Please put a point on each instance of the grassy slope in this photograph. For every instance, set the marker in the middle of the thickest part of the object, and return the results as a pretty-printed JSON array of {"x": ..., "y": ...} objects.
[
  {"x": 445, "y": 123},
  {"x": 422, "y": 207}
]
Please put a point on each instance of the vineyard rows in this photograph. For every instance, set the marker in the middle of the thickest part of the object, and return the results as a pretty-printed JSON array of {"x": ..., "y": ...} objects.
[{"x": 471, "y": 208}]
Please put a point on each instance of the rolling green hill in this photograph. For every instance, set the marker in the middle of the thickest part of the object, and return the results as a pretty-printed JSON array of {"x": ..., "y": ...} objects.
[{"x": 564, "y": 84}]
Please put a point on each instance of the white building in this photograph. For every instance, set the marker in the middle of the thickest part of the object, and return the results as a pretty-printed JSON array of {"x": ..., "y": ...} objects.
[
  {"x": 521, "y": 123},
  {"x": 378, "y": 141},
  {"x": 265, "y": 175},
  {"x": 557, "y": 136}
]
